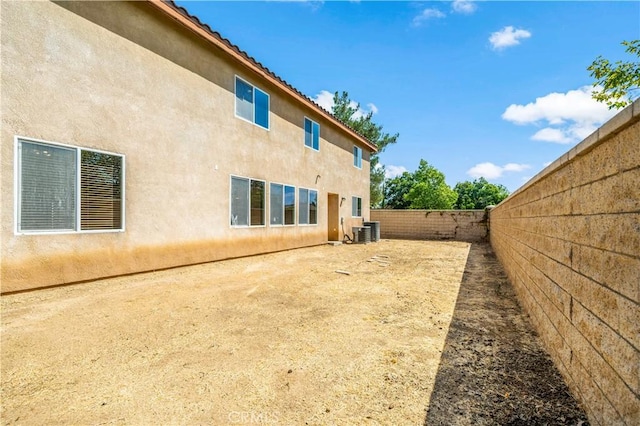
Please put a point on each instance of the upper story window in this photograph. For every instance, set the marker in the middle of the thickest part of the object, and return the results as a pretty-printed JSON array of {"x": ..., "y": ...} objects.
[
  {"x": 68, "y": 189},
  {"x": 282, "y": 204},
  {"x": 311, "y": 134},
  {"x": 247, "y": 202},
  {"x": 307, "y": 206},
  {"x": 356, "y": 206},
  {"x": 252, "y": 104},
  {"x": 357, "y": 156}
]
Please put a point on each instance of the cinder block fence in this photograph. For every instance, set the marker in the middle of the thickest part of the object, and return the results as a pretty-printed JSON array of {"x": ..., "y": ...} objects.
[
  {"x": 569, "y": 241},
  {"x": 459, "y": 225}
]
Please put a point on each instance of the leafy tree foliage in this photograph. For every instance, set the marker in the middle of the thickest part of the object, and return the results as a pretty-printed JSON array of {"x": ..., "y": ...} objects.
[
  {"x": 430, "y": 190},
  {"x": 620, "y": 81},
  {"x": 423, "y": 189},
  {"x": 345, "y": 110},
  {"x": 479, "y": 194},
  {"x": 395, "y": 190}
]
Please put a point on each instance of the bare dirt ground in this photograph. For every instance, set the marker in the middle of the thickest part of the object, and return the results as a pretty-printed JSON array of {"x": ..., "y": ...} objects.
[
  {"x": 493, "y": 370},
  {"x": 274, "y": 339}
]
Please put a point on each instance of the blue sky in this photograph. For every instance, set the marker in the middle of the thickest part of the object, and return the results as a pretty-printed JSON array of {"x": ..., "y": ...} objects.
[{"x": 496, "y": 89}]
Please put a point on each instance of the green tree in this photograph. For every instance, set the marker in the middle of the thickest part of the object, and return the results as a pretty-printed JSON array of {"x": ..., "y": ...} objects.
[
  {"x": 395, "y": 190},
  {"x": 430, "y": 191},
  {"x": 620, "y": 82},
  {"x": 345, "y": 110},
  {"x": 479, "y": 194}
]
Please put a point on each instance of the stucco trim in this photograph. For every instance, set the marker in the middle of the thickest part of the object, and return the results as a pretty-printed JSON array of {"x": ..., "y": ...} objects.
[{"x": 175, "y": 13}]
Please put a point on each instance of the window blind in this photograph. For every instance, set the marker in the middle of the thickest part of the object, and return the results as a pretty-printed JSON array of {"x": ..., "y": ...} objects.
[
  {"x": 100, "y": 191},
  {"x": 47, "y": 187}
]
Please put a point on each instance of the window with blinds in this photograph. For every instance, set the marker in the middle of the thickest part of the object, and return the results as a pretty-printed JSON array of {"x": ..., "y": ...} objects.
[
  {"x": 67, "y": 189},
  {"x": 100, "y": 191},
  {"x": 47, "y": 188}
]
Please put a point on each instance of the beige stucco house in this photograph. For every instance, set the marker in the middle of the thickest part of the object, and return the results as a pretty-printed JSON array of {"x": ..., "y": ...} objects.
[{"x": 135, "y": 138}]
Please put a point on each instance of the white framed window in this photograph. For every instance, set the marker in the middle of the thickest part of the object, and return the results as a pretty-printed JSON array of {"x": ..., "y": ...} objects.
[
  {"x": 357, "y": 157},
  {"x": 64, "y": 188},
  {"x": 307, "y": 206},
  {"x": 311, "y": 134},
  {"x": 248, "y": 198},
  {"x": 282, "y": 204},
  {"x": 356, "y": 206},
  {"x": 252, "y": 104}
]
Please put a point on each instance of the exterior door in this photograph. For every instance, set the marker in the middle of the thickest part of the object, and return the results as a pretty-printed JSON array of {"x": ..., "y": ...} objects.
[{"x": 333, "y": 217}]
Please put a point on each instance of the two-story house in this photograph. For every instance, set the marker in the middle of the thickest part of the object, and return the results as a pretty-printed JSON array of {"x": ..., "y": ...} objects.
[{"x": 135, "y": 138}]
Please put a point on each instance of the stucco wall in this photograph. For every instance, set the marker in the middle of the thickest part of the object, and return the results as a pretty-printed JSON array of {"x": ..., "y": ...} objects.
[
  {"x": 569, "y": 241},
  {"x": 459, "y": 225},
  {"x": 124, "y": 78}
]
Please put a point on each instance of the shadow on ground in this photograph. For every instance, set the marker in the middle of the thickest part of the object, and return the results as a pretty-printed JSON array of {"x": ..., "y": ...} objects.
[{"x": 493, "y": 368}]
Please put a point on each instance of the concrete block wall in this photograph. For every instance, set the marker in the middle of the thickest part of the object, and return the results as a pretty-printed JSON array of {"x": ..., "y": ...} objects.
[
  {"x": 459, "y": 225},
  {"x": 569, "y": 241}
]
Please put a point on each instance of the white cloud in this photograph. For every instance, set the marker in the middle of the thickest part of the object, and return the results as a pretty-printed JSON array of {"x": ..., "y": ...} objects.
[
  {"x": 427, "y": 14},
  {"x": 491, "y": 171},
  {"x": 325, "y": 100},
  {"x": 392, "y": 171},
  {"x": 550, "y": 134},
  {"x": 515, "y": 167},
  {"x": 569, "y": 117},
  {"x": 556, "y": 108},
  {"x": 507, "y": 37},
  {"x": 466, "y": 7}
]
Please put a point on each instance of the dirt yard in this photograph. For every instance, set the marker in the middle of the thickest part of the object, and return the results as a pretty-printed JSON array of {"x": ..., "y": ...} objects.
[{"x": 274, "y": 339}]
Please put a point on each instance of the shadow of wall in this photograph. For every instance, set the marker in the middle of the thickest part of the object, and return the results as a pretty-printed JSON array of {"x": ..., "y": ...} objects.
[{"x": 493, "y": 369}]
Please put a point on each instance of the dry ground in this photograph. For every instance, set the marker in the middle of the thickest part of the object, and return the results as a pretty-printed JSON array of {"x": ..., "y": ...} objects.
[
  {"x": 283, "y": 338},
  {"x": 493, "y": 370},
  {"x": 279, "y": 338}
]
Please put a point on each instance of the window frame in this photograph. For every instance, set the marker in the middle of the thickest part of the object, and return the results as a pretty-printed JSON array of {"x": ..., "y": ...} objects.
[
  {"x": 357, "y": 157},
  {"x": 314, "y": 148},
  {"x": 264, "y": 211},
  {"x": 253, "y": 103},
  {"x": 17, "y": 187},
  {"x": 356, "y": 206},
  {"x": 284, "y": 205},
  {"x": 308, "y": 210}
]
